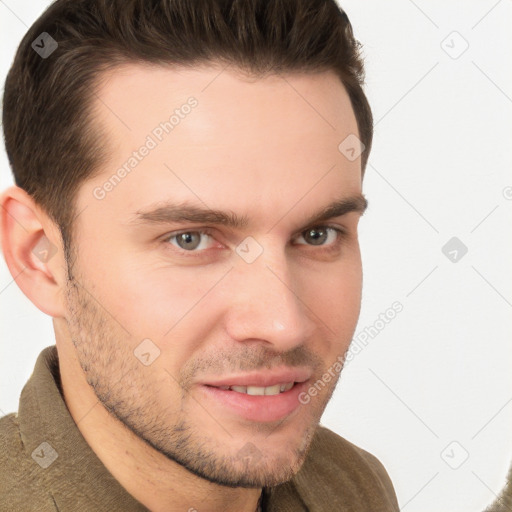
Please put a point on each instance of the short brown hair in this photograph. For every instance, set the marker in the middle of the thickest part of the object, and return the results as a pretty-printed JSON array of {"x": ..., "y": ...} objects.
[{"x": 52, "y": 142}]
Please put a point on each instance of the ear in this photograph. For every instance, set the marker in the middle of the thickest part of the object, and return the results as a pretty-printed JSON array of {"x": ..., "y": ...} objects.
[{"x": 32, "y": 248}]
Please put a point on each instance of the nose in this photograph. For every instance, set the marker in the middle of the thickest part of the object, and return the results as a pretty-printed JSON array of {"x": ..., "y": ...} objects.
[{"x": 265, "y": 304}]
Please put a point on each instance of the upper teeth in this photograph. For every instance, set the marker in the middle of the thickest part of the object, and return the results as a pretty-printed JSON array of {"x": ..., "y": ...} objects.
[{"x": 256, "y": 390}]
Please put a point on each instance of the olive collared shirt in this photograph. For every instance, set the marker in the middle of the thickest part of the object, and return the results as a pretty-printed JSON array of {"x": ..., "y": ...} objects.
[{"x": 47, "y": 466}]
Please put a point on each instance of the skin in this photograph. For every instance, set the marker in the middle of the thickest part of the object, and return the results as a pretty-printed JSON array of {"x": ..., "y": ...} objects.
[{"x": 265, "y": 149}]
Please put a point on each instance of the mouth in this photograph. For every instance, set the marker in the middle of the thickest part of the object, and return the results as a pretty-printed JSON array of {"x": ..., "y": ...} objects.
[
  {"x": 259, "y": 390},
  {"x": 254, "y": 402}
]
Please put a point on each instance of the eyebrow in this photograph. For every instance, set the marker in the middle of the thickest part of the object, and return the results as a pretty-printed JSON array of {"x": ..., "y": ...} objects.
[{"x": 169, "y": 212}]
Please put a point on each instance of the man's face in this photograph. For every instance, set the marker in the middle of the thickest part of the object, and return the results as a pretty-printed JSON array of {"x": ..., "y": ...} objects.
[{"x": 162, "y": 323}]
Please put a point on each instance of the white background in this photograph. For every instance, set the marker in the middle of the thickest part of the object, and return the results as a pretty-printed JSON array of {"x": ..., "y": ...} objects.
[{"x": 433, "y": 387}]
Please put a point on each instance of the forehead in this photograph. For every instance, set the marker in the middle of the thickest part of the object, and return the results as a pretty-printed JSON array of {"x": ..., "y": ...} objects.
[{"x": 212, "y": 132}]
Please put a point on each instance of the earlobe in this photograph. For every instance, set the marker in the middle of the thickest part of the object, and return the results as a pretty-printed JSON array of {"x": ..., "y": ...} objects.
[{"x": 32, "y": 250}]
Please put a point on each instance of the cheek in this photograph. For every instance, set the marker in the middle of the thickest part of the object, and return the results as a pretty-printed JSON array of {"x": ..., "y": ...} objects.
[
  {"x": 158, "y": 301},
  {"x": 335, "y": 296}
]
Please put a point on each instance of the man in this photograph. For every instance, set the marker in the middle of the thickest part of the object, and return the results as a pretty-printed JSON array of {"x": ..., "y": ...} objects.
[{"x": 188, "y": 190}]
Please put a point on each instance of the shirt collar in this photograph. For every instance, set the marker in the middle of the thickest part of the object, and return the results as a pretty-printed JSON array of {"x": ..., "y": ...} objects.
[{"x": 44, "y": 418}]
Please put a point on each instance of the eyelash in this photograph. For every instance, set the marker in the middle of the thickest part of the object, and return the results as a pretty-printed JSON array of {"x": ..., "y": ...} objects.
[{"x": 341, "y": 235}]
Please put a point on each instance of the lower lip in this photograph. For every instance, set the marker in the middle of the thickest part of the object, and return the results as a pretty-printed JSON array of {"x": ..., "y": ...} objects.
[{"x": 262, "y": 408}]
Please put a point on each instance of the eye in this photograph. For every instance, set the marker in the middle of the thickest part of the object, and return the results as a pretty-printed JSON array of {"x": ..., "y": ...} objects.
[
  {"x": 190, "y": 240},
  {"x": 320, "y": 236}
]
